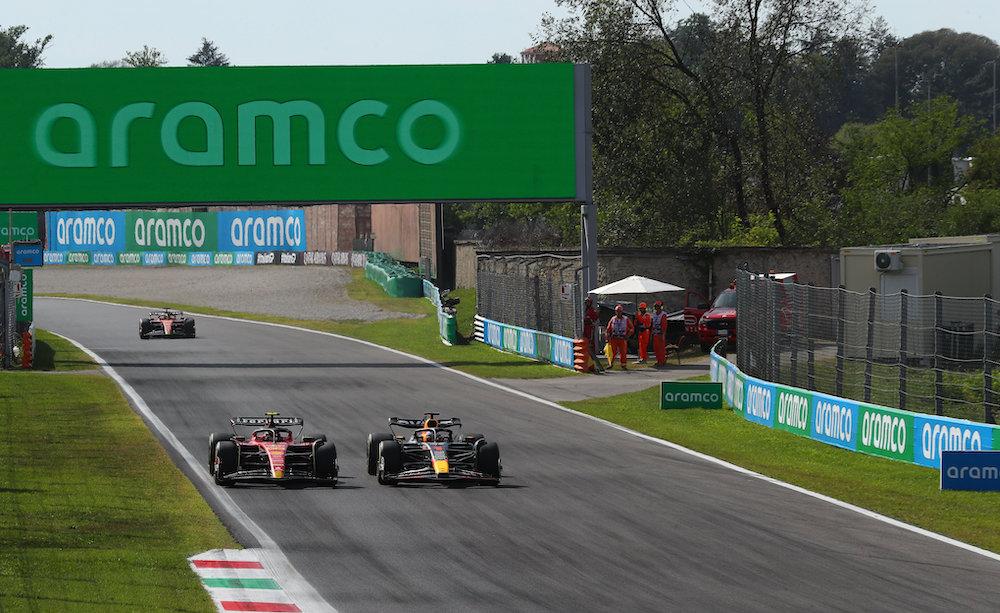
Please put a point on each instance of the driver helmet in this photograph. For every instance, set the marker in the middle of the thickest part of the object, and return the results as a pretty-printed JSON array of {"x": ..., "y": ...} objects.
[{"x": 263, "y": 436}]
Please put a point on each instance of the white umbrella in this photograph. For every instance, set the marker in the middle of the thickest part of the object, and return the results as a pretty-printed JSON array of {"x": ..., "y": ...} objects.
[{"x": 636, "y": 285}]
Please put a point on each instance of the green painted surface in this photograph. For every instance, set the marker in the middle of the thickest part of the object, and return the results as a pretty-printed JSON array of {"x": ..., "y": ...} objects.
[
  {"x": 792, "y": 410},
  {"x": 22, "y": 225},
  {"x": 175, "y": 232},
  {"x": 26, "y": 302},
  {"x": 248, "y": 584},
  {"x": 688, "y": 394},
  {"x": 885, "y": 432},
  {"x": 304, "y": 133}
]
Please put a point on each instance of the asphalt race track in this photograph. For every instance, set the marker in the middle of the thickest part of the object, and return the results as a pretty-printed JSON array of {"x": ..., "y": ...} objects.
[{"x": 589, "y": 518}]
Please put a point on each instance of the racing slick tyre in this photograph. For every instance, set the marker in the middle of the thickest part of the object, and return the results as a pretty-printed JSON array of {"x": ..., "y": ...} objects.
[
  {"x": 476, "y": 440},
  {"x": 488, "y": 460},
  {"x": 372, "y": 449},
  {"x": 314, "y": 437},
  {"x": 325, "y": 460},
  {"x": 390, "y": 461},
  {"x": 227, "y": 457},
  {"x": 214, "y": 438}
]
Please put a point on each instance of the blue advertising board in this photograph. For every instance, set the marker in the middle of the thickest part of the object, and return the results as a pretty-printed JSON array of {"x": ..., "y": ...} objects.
[
  {"x": 834, "y": 421},
  {"x": 102, "y": 231},
  {"x": 934, "y": 435},
  {"x": 28, "y": 254},
  {"x": 759, "y": 404},
  {"x": 976, "y": 471},
  {"x": 278, "y": 230}
]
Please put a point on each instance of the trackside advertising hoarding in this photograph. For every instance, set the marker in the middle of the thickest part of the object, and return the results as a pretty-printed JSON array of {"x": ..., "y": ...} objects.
[
  {"x": 117, "y": 232},
  {"x": 542, "y": 346},
  {"x": 288, "y": 134},
  {"x": 858, "y": 426}
]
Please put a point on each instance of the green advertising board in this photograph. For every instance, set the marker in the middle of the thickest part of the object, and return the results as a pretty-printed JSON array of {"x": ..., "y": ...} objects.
[
  {"x": 175, "y": 232},
  {"x": 690, "y": 394},
  {"x": 23, "y": 225},
  {"x": 885, "y": 432},
  {"x": 792, "y": 412},
  {"x": 280, "y": 134},
  {"x": 26, "y": 301}
]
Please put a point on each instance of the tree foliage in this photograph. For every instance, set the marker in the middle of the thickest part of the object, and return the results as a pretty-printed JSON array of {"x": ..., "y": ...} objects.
[
  {"x": 147, "y": 57},
  {"x": 18, "y": 52},
  {"x": 208, "y": 54}
]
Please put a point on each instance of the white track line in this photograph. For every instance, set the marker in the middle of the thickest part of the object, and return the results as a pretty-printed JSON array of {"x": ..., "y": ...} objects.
[
  {"x": 271, "y": 555},
  {"x": 795, "y": 488}
]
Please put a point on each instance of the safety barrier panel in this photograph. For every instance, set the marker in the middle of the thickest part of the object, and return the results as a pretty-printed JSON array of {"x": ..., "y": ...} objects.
[
  {"x": 541, "y": 346},
  {"x": 917, "y": 438},
  {"x": 395, "y": 279},
  {"x": 447, "y": 327},
  {"x": 355, "y": 259}
]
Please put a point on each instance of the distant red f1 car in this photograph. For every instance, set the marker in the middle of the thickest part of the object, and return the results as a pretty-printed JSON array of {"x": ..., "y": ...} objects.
[
  {"x": 166, "y": 323},
  {"x": 433, "y": 453},
  {"x": 270, "y": 452}
]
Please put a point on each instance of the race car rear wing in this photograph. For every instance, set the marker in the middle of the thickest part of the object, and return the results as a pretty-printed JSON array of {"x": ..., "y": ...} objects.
[
  {"x": 453, "y": 422},
  {"x": 267, "y": 421}
]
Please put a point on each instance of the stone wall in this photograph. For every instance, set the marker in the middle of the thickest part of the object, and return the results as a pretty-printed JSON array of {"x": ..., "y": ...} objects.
[{"x": 514, "y": 275}]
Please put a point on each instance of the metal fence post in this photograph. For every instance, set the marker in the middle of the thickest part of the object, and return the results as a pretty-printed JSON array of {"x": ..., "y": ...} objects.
[
  {"x": 795, "y": 325},
  {"x": 870, "y": 349},
  {"x": 938, "y": 379},
  {"x": 988, "y": 396},
  {"x": 772, "y": 299},
  {"x": 840, "y": 340},
  {"x": 903, "y": 325},
  {"x": 810, "y": 347}
]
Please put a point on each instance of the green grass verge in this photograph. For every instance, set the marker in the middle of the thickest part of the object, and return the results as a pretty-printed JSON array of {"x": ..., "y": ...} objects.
[
  {"x": 903, "y": 491},
  {"x": 418, "y": 336},
  {"x": 94, "y": 516},
  {"x": 56, "y": 353}
]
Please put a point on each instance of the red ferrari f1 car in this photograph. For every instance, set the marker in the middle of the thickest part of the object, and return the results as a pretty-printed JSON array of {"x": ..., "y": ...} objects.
[
  {"x": 269, "y": 452},
  {"x": 166, "y": 323},
  {"x": 433, "y": 453}
]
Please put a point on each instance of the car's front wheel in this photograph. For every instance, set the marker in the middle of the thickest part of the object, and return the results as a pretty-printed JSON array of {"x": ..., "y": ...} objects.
[
  {"x": 488, "y": 460},
  {"x": 325, "y": 460},
  {"x": 390, "y": 461},
  {"x": 226, "y": 461},
  {"x": 374, "y": 440},
  {"x": 213, "y": 439}
]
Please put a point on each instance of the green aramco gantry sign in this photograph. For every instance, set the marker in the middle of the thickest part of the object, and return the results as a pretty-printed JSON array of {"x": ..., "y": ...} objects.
[{"x": 290, "y": 134}]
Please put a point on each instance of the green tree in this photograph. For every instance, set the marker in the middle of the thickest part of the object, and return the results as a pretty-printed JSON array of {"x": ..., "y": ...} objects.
[
  {"x": 208, "y": 54},
  {"x": 501, "y": 58},
  {"x": 899, "y": 181},
  {"x": 17, "y": 52},
  {"x": 147, "y": 57}
]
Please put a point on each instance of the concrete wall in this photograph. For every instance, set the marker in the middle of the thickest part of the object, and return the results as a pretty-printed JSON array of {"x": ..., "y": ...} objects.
[
  {"x": 397, "y": 230},
  {"x": 465, "y": 263}
]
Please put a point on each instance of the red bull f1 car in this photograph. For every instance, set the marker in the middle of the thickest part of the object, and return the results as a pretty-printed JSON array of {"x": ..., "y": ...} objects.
[
  {"x": 168, "y": 323},
  {"x": 266, "y": 450},
  {"x": 432, "y": 453}
]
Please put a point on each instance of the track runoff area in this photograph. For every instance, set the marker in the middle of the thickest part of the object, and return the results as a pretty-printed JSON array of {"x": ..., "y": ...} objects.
[{"x": 589, "y": 516}]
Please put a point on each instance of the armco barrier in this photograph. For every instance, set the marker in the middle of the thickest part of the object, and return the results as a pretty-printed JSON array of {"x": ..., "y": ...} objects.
[
  {"x": 858, "y": 426},
  {"x": 541, "y": 346},
  {"x": 397, "y": 280},
  {"x": 205, "y": 258},
  {"x": 446, "y": 321}
]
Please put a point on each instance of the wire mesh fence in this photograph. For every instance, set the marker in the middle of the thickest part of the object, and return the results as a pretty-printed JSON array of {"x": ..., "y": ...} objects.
[
  {"x": 530, "y": 292},
  {"x": 930, "y": 354}
]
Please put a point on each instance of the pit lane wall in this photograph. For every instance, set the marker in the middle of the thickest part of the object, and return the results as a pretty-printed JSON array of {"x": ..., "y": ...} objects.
[
  {"x": 916, "y": 438},
  {"x": 542, "y": 346}
]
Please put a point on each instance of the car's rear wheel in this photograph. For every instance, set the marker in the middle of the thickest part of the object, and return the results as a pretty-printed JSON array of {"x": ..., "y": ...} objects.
[
  {"x": 390, "y": 461},
  {"x": 314, "y": 437},
  {"x": 372, "y": 449},
  {"x": 226, "y": 461},
  {"x": 488, "y": 460},
  {"x": 214, "y": 438},
  {"x": 325, "y": 460}
]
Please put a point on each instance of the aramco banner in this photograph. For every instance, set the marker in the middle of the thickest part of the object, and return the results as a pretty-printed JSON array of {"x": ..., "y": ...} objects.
[
  {"x": 289, "y": 134},
  {"x": 134, "y": 232},
  {"x": 857, "y": 426}
]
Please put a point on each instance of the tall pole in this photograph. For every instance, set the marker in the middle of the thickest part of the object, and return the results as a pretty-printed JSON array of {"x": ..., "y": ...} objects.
[
  {"x": 585, "y": 178},
  {"x": 994, "y": 96},
  {"x": 895, "y": 75}
]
